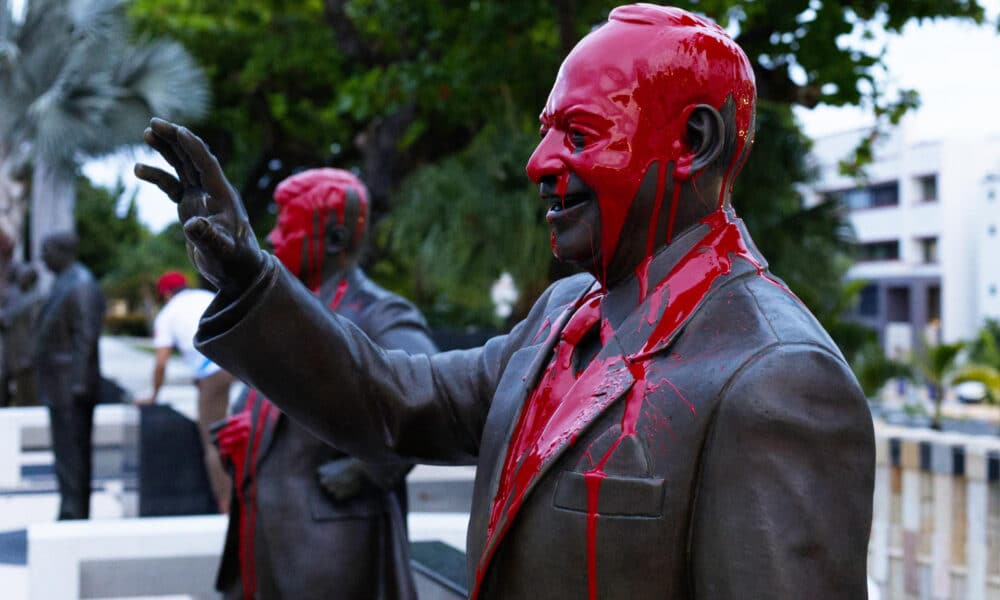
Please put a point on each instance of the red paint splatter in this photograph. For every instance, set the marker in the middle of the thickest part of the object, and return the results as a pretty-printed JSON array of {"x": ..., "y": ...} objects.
[
  {"x": 300, "y": 199},
  {"x": 563, "y": 404},
  {"x": 338, "y": 296},
  {"x": 636, "y": 103}
]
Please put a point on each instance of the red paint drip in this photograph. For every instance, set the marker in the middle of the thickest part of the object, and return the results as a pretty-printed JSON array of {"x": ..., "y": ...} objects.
[
  {"x": 594, "y": 477},
  {"x": 593, "y": 480},
  {"x": 538, "y": 334},
  {"x": 545, "y": 423},
  {"x": 691, "y": 279},
  {"x": 298, "y": 198},
  {"x": 248, "y": 502},
  {"x": 338, "y": 296}
]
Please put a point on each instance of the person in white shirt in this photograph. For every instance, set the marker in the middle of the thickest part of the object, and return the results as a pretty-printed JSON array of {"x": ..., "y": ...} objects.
[{"x": 175, "y": 327}]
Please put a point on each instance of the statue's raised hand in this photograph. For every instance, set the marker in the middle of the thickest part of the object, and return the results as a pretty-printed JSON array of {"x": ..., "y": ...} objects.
[{"x": 221, "y": 243}]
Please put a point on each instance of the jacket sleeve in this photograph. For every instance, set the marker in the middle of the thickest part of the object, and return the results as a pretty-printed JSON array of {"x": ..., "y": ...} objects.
[
  {"x": 393, "y": 324},
  {"x": 312, "y": 364},
  {"x": 783, "y": 507}
]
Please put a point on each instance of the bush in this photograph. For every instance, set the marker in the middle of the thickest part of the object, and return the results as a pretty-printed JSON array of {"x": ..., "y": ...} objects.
[{"x": 132, "y": 324}]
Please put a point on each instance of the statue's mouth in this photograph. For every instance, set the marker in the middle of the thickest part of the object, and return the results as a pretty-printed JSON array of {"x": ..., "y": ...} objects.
[{"x": 565, "y": 206}]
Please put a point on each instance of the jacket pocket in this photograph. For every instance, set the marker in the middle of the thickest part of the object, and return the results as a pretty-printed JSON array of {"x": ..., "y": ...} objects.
[{"x": 617, "y": 496}]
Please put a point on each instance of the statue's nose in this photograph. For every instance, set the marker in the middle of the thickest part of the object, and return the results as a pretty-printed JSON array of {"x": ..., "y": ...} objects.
[{"x": 545, "y": 159}]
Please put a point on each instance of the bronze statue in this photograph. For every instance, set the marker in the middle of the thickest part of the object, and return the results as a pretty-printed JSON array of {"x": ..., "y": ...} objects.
[
  {"x": 18, "y": 320},
  {"x": 673, "y": 424},
  {"x": 310, "y": 521},
  {"x": 68, "y": 368}
]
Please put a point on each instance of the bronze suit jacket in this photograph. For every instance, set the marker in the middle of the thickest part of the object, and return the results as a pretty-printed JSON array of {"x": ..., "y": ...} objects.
[
  {"x": 750, "y": 476},
  {"x": 67, "y": 338},
  {"x": 308, "y": 544}
]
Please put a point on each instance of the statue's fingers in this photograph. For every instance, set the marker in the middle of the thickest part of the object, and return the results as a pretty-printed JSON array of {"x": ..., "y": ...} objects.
[
  {"x": 161, "y": 179},
  {"x": 213, "y": 178},
  {"x": 167, "y": 132},
  {"x": 164, "y": 149}
]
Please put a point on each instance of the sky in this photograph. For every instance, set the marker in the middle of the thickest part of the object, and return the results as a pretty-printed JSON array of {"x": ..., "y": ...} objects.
[{"x": 954, "y": 66}]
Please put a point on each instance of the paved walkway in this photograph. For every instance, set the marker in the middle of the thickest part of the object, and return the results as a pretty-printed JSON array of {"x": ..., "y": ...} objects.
[{"x": 129, "y": 362}]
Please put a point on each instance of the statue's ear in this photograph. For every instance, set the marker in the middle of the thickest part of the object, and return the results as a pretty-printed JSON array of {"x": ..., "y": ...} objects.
[
  {"x": 337, "y": 238},
  {"x": 706, "y": 132}
]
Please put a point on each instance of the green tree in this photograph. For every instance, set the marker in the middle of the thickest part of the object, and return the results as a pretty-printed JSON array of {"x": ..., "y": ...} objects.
[
  {"x": 396, "y": 88},
  {"x": 106, "y": 235},
  {"x": 72, "y": 85},
  {"x": 984, "y": 360},
  {"x": 873, "y": 368},
  {"x": 937, "y": 364}
]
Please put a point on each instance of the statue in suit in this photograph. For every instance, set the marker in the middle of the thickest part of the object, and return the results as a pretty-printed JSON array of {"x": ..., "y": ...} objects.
[
  {"x": 323, "y": 524},
  {"x": 672, "y": 424},
  {"x": 18, "y": 321},
  {"x": 68, "y": 368}
]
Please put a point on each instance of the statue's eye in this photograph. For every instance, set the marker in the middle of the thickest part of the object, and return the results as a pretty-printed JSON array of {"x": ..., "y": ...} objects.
[{"x": 578, "y": 138}]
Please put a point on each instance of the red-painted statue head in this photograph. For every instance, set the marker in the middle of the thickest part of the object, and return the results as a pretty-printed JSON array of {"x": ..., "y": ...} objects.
[
  {"x": 647, "y": 124},
  {"x": 321, "y": 213}
]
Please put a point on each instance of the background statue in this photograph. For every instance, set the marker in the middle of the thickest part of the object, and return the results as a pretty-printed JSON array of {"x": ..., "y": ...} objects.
[
  {"x": 19, "y": 318},
  {"x": 68, "y": 367},
  {"x": 671, "y": 424},
  {"x": 174, "y": 327},
  {"x": 311, "y": 521}
]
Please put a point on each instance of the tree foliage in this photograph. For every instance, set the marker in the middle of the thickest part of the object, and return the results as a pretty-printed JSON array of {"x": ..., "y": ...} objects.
[
  {"x": 106, "y": 234},
  {"x": 118, "y": 248}
]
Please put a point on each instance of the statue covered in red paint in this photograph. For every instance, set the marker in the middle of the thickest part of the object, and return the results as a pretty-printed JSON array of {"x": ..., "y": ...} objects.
[
  {"x": 308, "y": 520},
  {"x": 672, "y": 424}
]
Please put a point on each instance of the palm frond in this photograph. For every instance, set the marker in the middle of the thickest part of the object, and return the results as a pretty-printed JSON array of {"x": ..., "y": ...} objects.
[
  {"x": 79, "y": 87},
  {"x": 164, "y": 76}
]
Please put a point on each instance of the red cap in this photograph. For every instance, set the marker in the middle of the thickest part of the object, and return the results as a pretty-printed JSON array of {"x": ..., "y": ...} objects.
[{"x": 171, "y": 281}]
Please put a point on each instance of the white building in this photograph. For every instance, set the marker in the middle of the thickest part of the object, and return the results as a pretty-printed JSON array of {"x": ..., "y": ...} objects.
[{"x": 926, "y": 219}]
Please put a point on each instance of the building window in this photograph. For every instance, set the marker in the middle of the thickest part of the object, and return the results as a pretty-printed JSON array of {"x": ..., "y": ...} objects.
[
  {"x": 928, "y": 188},
  {"x": 928, "y": 250},
  {"x": 873, "y": 196},
  {"x": 868, "y": 301},
  {"x": 873, "y": 251},
  {"x": 933, "y": 303}
]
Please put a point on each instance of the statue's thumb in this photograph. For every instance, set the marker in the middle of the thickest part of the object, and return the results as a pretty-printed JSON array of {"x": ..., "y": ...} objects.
[{"x": 209, "y": 240}]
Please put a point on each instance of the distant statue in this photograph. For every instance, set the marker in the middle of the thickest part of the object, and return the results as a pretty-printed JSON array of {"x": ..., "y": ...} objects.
[
  {"x": 18, "y": 320},
  {"x": 673, "y": 423},
  {"x": 68, "y": 368},
  {"x": 311, "y": 521}
]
